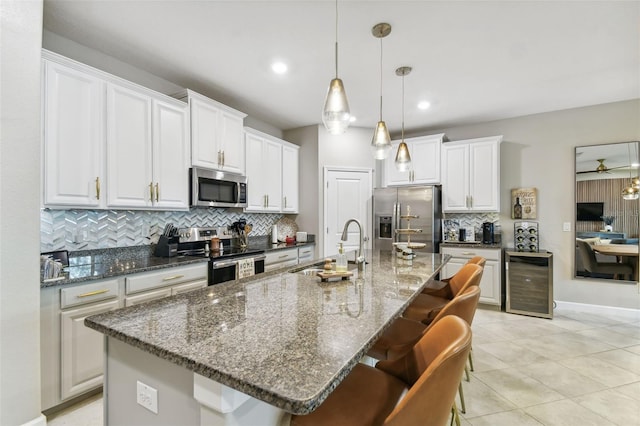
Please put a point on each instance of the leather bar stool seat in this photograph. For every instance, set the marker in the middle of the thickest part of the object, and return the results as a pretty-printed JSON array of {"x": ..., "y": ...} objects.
[
  {"x": 429, "y": 372},
  {"x": 403, "y": 333},
  {"x": 425, "y": 307},
  {"x": 443, "y": 288}
]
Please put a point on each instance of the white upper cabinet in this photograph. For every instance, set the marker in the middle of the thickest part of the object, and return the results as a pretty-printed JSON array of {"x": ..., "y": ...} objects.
[
  {"x": 109, "y": 143},
  {"x": 425, "y": 162},
  {"x": 217, "y": 137},
  {"x": 290, "y": 159},
  {"x": 129, "y": 144},
  {"x": 272, "y": 173},
  {"x": 74, "y": 137},
  {"x": 471, "y": 175}
]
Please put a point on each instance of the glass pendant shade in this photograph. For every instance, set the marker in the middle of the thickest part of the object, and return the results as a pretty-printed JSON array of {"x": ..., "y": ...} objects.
[
  {"x": 630, "y": 193},
  {"x": 403, "y": 158},
  {"x": 381, "y": 142},
  {"x": 335, "y": 114}
]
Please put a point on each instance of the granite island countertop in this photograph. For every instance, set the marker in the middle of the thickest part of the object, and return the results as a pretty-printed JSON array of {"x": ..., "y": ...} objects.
[{"x": 285, "y": 338}]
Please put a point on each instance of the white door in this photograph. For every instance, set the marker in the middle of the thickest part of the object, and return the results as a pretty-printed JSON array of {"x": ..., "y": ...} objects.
[{"x": 347, "y": 195}]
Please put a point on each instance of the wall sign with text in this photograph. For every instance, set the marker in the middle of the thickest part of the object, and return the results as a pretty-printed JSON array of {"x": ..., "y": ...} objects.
[{"x": 524, "y": 203}]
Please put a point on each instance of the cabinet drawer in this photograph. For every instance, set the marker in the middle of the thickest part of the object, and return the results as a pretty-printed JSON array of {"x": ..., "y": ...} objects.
[
  {"x": 149, "y": 280},
  {"x": 88, "y": 293},
  {"x": 468, "y": 253},
  {"x": 278, "y": 256},
  {"x": 146, "y": 297}
]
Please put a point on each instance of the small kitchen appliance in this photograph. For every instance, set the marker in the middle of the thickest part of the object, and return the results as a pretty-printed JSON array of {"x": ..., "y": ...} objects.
[{"x": 488, "y": 233}]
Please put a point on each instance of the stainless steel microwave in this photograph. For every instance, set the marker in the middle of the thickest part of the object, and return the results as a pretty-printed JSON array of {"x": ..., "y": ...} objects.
[{"x": 211, "y": 188}]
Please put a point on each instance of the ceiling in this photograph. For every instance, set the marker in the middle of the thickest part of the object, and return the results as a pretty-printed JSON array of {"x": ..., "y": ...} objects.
[
  {"x": 619, "y": 158},
  {"x": 474, "y": 61}
]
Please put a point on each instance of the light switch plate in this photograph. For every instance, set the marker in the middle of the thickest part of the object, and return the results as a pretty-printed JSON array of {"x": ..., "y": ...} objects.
[{"x": 566, "y": 227}]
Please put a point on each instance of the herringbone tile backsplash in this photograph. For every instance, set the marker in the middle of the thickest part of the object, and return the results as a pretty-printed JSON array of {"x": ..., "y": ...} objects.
[{"x": 96, "y": 229}]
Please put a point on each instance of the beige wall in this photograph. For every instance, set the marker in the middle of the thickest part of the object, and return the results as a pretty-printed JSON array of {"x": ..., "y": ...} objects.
[
  {"x": 538, "y": 151},
  {"x": 20, "y": 38}
]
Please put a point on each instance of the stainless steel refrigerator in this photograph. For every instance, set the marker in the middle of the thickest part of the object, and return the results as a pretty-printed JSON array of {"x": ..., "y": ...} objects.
[{"x": 398, "y": 214}]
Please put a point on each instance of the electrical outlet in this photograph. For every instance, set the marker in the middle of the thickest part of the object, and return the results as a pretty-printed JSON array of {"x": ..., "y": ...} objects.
[
  {"x": 147, "y": 397},
  {"x": 566, "y": 226}
]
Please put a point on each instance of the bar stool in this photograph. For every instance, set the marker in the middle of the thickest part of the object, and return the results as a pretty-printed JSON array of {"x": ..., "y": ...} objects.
[
  {"x": 429, "y": 373},
  {"x": 442, "y": 287},
  {"x": 403, "y": 333},
  {"x": 425, "y": 307}
]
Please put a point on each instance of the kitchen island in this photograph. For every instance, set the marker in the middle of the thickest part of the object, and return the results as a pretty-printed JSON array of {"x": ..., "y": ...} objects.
[{"x": 251, "y": 351}]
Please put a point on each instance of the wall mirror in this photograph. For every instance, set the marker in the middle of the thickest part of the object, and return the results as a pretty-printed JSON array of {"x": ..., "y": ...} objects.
[{"x": 607, "y": 205}]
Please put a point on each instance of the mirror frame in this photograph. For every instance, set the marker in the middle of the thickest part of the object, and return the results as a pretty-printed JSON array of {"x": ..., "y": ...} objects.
[{"x": 611, "y": 194}]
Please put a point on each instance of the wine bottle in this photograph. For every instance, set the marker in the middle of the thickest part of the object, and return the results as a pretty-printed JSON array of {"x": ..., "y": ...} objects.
[{"x": 517, "y": 209}]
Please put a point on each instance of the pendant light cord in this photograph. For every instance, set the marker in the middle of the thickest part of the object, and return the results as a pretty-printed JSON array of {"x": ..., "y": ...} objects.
[
  {"x": 380, "y": 78},
  {"x": 336, "y": 38},
  {"x": 402, "y": 107}
]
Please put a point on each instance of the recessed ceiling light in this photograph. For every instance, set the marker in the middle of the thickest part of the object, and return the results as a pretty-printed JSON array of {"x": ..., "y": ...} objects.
[
  {"x": 635, "y": 165},
  {"x": 279, "y": 67},
  {"x": 352, "y": 118},
  {"x": 423, "y": 105}
]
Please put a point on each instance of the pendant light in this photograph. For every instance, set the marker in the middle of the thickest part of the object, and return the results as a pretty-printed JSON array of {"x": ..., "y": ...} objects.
[
  {"x": 631, "y": 192},
  {"x": 381, "y": 142},
  {"x": 336, "y": 114},
  {"x": 403, "y": 158}
]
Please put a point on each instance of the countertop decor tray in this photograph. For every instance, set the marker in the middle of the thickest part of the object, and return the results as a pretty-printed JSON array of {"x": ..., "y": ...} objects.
[{"x": 325, "y": 276}]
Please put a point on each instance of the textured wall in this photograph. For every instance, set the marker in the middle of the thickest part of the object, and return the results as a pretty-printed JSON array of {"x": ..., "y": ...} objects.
[{"x": 95, "y": 229}]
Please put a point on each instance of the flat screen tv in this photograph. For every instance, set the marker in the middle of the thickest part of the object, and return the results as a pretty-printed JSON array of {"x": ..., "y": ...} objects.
[{"x": 589, "y": 212}]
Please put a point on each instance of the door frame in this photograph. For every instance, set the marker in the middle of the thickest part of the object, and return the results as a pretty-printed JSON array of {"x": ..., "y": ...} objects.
[{"x": 368, "y": 227}]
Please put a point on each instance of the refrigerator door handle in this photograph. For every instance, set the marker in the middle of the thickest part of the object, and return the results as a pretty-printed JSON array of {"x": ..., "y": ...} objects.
[{"x": 395, "y": 221}]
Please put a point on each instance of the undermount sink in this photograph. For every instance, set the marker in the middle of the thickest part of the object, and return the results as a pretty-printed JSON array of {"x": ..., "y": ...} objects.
[{"x": 318, "y": 267}]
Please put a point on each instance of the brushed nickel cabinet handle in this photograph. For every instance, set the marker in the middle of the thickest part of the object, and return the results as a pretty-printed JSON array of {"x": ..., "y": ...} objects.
[
  {"x": 98, "y": 188},
  {"x": 93, "y": 293},
  {"x": 173, "y": 277},
  {"x": 157, "y": 192}
]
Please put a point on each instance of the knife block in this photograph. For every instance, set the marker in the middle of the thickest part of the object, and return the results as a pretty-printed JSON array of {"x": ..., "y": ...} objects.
[{"x": 167, "y": 247}]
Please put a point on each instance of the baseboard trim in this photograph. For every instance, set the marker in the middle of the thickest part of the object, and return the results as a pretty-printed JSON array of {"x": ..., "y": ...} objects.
[
  {"x": 41, "y": 420},
  {"x": 633, "y": 314}
]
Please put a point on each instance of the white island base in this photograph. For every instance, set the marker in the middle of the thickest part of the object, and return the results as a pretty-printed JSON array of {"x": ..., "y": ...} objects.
[{"x": 183, "y": 397}]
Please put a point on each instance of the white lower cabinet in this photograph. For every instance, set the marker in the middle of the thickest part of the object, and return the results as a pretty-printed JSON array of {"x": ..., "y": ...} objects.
[
  {"x": 491, "y": 283},
  {"x": 280, "y": 259},
  {"x": 81, "y": 349},
  {"x": 72, "y": 354},
  {"x": 306, "y": 254}
]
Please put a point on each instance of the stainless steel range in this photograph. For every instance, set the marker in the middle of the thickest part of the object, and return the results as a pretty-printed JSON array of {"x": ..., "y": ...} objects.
[{"x": 228, "y": 262}]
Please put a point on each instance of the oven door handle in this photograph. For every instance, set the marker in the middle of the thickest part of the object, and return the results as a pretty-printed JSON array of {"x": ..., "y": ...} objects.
[{"x": 224, "y": 264}]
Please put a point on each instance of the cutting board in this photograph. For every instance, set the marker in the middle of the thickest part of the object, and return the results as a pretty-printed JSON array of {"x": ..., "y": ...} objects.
[{"x": 324, "y": 276}]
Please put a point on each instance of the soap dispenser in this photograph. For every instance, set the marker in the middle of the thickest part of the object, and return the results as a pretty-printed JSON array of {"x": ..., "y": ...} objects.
[{"x": 341, "y": 261}]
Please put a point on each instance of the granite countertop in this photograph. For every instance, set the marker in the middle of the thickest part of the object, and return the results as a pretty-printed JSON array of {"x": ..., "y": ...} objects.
[
  {"x": 287, "y": 339},
  {"x": 91, "y": 265}
]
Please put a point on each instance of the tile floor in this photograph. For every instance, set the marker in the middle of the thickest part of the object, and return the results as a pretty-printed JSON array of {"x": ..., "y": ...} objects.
[{"x": 577, "y": 369}]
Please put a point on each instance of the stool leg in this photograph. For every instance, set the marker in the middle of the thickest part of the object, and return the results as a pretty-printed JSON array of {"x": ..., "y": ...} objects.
[
  {"x": 454, "y": 415},
  {"x": 463, "y": 407},
  {"x": 471, "y": 359},
  {"x": 466, "y": 373}
]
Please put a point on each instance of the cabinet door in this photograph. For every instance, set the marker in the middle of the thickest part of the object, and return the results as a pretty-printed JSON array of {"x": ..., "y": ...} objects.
[
  {"x": 81, "y": 350},
  {"x": 490, "y": 283},
  {"x": 455, "y": 177},
  {"x": 73, "y": 137},
  {"x": 290, "y": 179},
  {"x": 129, "y": 161},
  {"x": 425, "y": 163},
  {"x": 484, "y": 177},
  {"x": 256, "y": 193},
  {"x": 184, "y": 288},
  {"x": 272, "y": 175},
  {"x": 452, "y": 267},
  {"x": 170, "y": 156},
  {"x": 205, "y": 144},
  {"x": 232, "y": 143}
]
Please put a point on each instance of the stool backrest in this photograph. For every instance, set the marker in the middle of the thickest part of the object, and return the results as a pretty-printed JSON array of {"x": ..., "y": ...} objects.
[
  {"x": 432, "y": 369},
  {"x": 478, "y": 260},
  {"x": 464, "y": 305},
  {"x": 469, "y": 274}
]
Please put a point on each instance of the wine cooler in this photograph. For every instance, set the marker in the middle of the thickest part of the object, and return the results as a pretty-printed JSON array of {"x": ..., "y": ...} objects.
[{"x": 529, "y": 282}]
